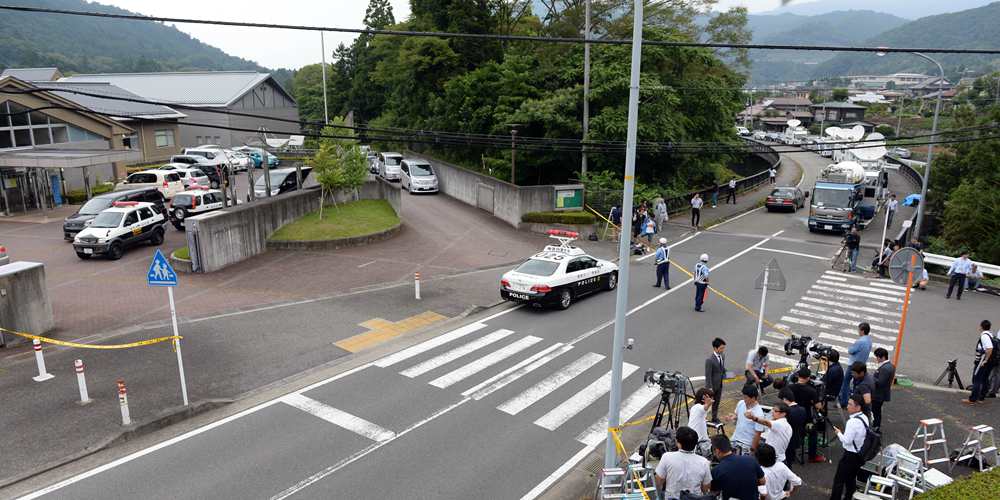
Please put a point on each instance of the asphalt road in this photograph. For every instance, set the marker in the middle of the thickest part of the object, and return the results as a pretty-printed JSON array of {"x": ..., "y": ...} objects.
[{"x": 500, "y": 407}]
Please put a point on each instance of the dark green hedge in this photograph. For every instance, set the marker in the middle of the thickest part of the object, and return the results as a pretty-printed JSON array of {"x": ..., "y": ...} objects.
[
  {"x": 79, "y": 196},
  {"x": 978, "y": 486},
  {"x": 579, "y": 217}
]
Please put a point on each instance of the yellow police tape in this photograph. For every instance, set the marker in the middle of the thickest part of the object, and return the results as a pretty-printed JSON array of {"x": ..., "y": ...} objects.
[
  {"x": 635, "y": 474},
  {"x": 92, "y": 346}
]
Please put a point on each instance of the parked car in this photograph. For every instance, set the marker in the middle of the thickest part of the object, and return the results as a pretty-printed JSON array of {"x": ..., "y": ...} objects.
[
  {"x": 372, "y": 156},
  {"x": 282, "y": 181},
  {"x": 257, "y": 156},
  {"x": 211, "y": 170},
  {"x": 193, "y": 202},
  {"x": 417, "y": 176},
  {"x": 759, "y": 135},
  {"x": 124, "y": 224},
  {"x": 169, "y": 183},
  {"x": 239, "y": 160},
  {"x": 193, "y": 177},
  {"x": 742, "y": 131},
  {"x": 784, "y": 198},
  {"x": 388, "y": 165},
  {"x": 83, "y": 217},
  {"x": 900, "y": 152}
]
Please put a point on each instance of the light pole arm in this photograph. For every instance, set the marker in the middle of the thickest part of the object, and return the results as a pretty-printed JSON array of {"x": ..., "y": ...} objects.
[{"x": 930, "y": 148}]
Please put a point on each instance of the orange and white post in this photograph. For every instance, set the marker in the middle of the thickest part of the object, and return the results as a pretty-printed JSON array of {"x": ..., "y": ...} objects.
[
  {"x": 40, "y": 361},
  {"x": 123, "y": 403},
  {"x": 416, "y": 285},
  {"x": 81, "y": 380}
]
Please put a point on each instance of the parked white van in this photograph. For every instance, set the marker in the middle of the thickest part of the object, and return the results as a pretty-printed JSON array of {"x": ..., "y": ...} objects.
[
  {"x": 388, "y": 166},
  {"x": 167, "y": 182}
]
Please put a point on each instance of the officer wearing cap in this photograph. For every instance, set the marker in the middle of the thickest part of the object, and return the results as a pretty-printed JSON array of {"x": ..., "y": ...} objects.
[
  {"x": 662, "y": 264},
  {"x": 700, "y": 281}
]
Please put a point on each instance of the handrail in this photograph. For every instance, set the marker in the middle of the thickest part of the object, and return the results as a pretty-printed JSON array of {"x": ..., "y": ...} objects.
[{"x": 944, "y": 260}]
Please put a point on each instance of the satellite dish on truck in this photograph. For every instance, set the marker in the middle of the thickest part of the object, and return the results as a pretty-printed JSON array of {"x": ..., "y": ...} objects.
[
  {"x": 873, "y": 150},
  {"x": 794, "y": 123},
  {"x": 833, "y": 132},
  {"x": 845, "y": 172},
  {"x": 856, "y": 133}
]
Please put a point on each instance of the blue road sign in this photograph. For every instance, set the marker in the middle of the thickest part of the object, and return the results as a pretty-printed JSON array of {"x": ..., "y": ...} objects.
[{"x": 160, "y": 272}]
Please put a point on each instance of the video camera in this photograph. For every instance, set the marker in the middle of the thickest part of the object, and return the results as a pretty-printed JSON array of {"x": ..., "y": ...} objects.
[
  {"x": 669, "y": 382},
  {"x": 805, "y": 345}
]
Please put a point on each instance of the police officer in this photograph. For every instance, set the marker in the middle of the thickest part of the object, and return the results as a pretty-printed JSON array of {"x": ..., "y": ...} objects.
[
  {"x": 662, "y": 264},
  {"x": 700, "y": 281}
]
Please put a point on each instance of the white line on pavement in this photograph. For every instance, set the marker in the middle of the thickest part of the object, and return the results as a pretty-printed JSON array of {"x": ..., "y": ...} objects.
[
  {"x": 810, "y": 256},
  {"x": 576, "y": 403},
  {"x": 338, "y": 417},
  {"x": 558, "y": 473},
  {"x": 834, "y": 278},
  {"x": 422, "y": 347},
  {"x": 598, "y": 431},
  {"x": 727, "y": 221},
  {"x": 869, "y": 289},
  {"x": 484, "y": 362},
  {"x": 835, "y": 319},
  {"x": 366, "y": 264},
  {"x": 849, "y": 341},
  {"x": 452, "y": 355},
  {"x": 886, "y": 285},
  {"x": 685, "y": 240},
  {"x": 834, "y": 328},
  {"x": 549, "y": 384},
  {"x": 854, "y": 276},
  {"x": 849, "y": 314},
  {"x": 847, "y": 298},
  {"x": 856, "y": 294},
  {"x": 851, "y": 306},
  {"x": 517, "y": 371}
]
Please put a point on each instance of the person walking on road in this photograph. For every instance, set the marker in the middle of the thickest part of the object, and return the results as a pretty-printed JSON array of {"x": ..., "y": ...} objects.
[
  {"x": 715, "y": 195},
  {"x": 859, "y": 351},
  {"x": 715, "y": 371},
  {"x": 700, "y": 282},
  {"x": 660, "y": 208},
  {"x": 853, "y": 243},
  {"x": 732, "y": 191},
  {"x": 696, "y": 204},
  {"x": 956, "y": 275},
  {"x": 662, "y": 264},
  {"x": 983, "y": 364},
  {"x": 772, "y": 174},
  {"x": 852, "y": 438},
  {"x": 884, "y": 376},
  {"x": 649, "y": 229},
  {"x": 890, "y": 209}
]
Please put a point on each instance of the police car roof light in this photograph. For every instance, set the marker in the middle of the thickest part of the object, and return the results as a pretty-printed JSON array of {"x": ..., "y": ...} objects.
[
  {"x": 125, "y": 203},
  {"x": 564, "y": 237}
]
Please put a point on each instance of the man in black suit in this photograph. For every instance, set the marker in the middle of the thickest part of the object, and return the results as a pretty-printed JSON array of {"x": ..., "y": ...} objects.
[
  {"x": 808, "y": 398},
  {"x": 884, "y": 375},
  {"x": 797, "y": 418},
  {"x": 715, "y": 371}
]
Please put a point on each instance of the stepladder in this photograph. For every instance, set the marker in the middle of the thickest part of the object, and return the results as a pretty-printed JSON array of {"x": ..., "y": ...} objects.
[
  {"x": 930, "y": 433},
  {"x": 980, "y": 445}
]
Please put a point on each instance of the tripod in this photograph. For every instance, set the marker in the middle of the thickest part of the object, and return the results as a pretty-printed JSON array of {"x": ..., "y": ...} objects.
[
  {"x": 670, "y": 406},
  {"x": 951, "y": 370}
]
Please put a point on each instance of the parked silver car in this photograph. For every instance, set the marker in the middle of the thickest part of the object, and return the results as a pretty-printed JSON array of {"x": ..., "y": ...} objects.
[{"x": 418, "y": 176}]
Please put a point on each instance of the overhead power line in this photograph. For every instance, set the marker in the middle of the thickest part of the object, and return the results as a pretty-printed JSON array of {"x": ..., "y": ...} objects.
[{"x": 495, "y": 37}]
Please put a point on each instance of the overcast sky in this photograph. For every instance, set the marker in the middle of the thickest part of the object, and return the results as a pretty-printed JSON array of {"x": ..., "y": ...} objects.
[{"x": 285, "y": 48}]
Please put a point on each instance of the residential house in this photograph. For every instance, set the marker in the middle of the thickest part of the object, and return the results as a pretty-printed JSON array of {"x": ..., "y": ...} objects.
[
  {"x": 208, "y": 98},
  {"x": 777, "y": 111},
  {"x": 897, "y": 80},
  {"x": 929, "y": 85},
  {"x": 835, "y": 112},
  {"x": 33, "y": 74}
]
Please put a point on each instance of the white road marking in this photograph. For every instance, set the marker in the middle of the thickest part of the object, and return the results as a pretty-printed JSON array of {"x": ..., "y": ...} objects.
[
  {"x": 727, "y": 221},
  {"x": 852, "y": 306},
  {"x": 554, "y": 381},
  {"x": 558, "y": 473},
  {"x": 443, "y": 359},
  {"x": 855, "y": 276},
  {"x": 860, "y": 288},
  {"x": 849, "y": 314},
  {"x": 598, "y": 431},
  {"x": 835, "y": 319},
  {"x": 856, "y": 294},
  {"x": 338, "y": 417},
  {"x": 817, "y": 257},
  {"x": 575, "y": 404},
  {"x": 849, "y": 341},
  {"x": 886, "y": 285},
  {"x": 484, "y": 362},
  {"x": 832, "y": 328},
  {"x": 783, "y": 360},
  {"x": 517, "y": 371},
  {"x": 366, "y": 264},
  {"x": 834, "y": 278},
  {"x": 685, "y": 240},
  {"x": 854, "y": 300},
  {"x": 428, "y": 345}
]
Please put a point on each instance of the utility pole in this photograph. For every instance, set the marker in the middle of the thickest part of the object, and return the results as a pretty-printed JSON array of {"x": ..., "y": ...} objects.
[
  {"x": 513, "y": 154},
  {"x": 326, "y": 108},
  {"x": 997, "y": 100},
  {"x": 586, "y": 86},
  {"x": 899, "y": 114},
  {"x": 621, "y": 299}
]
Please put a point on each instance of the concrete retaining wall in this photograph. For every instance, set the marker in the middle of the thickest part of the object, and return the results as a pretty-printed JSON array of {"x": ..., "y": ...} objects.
[
  {"x": 225, "y": 237},
  {"x": 322, "y": 245},
  {"x": 24, "y": 300}
]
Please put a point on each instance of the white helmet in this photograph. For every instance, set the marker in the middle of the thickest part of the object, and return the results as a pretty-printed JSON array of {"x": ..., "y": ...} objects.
[
  {"x": 704, "y": 257},
  {"x": 663, "y": 241}
]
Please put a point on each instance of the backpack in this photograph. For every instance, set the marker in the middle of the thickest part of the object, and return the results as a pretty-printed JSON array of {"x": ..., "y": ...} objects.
[
  {"x": 872, "y": 444},
  {"x": 995, "y": 355}
]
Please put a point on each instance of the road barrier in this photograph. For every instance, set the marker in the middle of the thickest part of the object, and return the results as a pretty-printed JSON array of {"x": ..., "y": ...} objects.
[
  {"x": 40, "y": 361},
  {"x": 38, "y": 338},
  {"x": 81, "y": 381},
  {"x": 123, "y": 403},
  {"x": 416, "y": 285}
]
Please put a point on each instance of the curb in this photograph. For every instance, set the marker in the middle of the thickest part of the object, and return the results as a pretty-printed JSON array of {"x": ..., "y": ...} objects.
[{"x": 337, "y": 243}]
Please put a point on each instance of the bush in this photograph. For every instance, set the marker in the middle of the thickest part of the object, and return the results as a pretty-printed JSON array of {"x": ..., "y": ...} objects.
[
  {"x": 578, "y": 217},
  {"x": 79, "y": 196},
  {"x": 977, "y": 486},
  {"x": 182, "y": 253}
]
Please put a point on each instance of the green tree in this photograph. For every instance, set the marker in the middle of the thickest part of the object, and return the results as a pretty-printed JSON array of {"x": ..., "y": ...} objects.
[
  {"x": 339, "y": 164},
  {"x": 840, "y": 94}
]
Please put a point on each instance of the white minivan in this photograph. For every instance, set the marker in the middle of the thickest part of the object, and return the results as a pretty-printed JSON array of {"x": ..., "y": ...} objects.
[
  {"x": 388, "y": 166},
  {"x": 417, "y": 176},
  {"x": 167, "y": 182}
]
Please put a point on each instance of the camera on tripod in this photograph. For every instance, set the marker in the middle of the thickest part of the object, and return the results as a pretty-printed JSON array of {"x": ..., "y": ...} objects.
[
  {"x": 805, "y": 345},
  {"x": 669, "y": 382}
]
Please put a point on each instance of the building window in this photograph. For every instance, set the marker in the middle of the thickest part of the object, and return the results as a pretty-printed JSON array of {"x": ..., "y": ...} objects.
[
  {"x": 164, "y": 138},
  {"x": 133, "y": 140},
  {"x": 22, "y": 138},
  {"x": 199, "y": 140},
  {"x": 6, "y": 139},
  {"x": 41, "y": 136},
  {"x": 59, "y": 135}
]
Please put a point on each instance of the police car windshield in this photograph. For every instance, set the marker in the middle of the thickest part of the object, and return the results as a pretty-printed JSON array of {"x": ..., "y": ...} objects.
[
  {"x": 108, "y": 219},
  {"x": 538, "y": 267},
  {"x": 95, "y": 206}
]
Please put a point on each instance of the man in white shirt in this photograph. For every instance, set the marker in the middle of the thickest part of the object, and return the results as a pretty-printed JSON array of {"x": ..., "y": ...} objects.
[
  {"x": 776, "y": 475},
  {"x": 732, "y": 191},
  {"x": 756, "y": 368},
  {"x": 779, "y": 431},
  {"x": 890, "y": 209},
  {"x": 956, "y": 274},
  {"x": 853, "y": 439},
  {"x": 772, "y": 173},
  {"x": 699, "y": 412},
  {"x": 696, "y": 204},
  {"x": 683, "y": 470},
  {"x": 981, "y": 367},
  {"x": 746, "y": 437}
]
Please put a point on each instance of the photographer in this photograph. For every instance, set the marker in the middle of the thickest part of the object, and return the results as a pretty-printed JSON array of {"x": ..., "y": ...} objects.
[
  {"x": 698, "y": 413},
  {"x": 779, "y": 431},
  {"x": 746, "y": 436},
  {"x": 833, "y": 379},
  {"x": 756, "y": 369},
  {"x": 683, "y": 470},
  {"x": 807, "y": 397},
  {"x": 797, "y": 417}
]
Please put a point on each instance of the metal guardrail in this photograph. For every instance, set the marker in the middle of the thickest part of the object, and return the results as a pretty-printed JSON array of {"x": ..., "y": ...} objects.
[{"x": 944, "y": 260}]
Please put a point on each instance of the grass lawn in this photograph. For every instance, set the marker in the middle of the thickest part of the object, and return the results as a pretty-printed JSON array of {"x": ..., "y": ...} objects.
[
  {"x": 182, "y": 253},
  {"x": 356, "y": 218}
]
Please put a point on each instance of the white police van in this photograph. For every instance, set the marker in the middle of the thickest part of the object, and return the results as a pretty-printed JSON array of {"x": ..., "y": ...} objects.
[
  {"x": 558, "y": 275},
  {"x": 125, "y": 224},
  {"x": 195, "y": 201}
]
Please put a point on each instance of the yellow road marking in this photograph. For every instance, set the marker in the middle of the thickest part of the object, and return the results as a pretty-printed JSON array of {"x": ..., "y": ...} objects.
[{"x": 381, "y": 330}]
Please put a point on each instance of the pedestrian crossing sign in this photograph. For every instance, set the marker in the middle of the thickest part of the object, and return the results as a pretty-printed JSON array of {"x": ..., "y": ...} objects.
[
  {"x": 160, "y": 272},
  {"x": 775, "y": 279}
]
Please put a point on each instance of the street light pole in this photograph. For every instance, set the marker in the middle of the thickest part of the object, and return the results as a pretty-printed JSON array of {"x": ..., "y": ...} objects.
[
  {"x": 513, "y": 155},
  {"x": 930, "y": 149},
  {"x": 586, "y": 87},
  {"x": 621, "y": 299},
  {"x": 326, "y": 108}
]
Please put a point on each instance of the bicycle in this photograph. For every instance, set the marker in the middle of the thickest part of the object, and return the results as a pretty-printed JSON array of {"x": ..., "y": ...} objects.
[{"x": 839, "y": 261}]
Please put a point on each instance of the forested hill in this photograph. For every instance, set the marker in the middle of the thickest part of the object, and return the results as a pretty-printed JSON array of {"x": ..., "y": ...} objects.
[
  {"x": 92, "y": 45},
  {"x": 973, "y": 28}
]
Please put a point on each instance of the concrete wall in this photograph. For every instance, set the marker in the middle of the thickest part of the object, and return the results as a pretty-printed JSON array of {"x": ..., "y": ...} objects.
[
  {"x": 225, "y": 237},
  {"x": 147, "y": 141},
  {"x": 24, "y": 300},
  {"x": 187, "y": 134}
]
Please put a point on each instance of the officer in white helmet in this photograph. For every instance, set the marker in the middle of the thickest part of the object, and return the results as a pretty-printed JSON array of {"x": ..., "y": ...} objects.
[
  {"x": 662, "y": 264},
  {"x": 700, "y": 282}
]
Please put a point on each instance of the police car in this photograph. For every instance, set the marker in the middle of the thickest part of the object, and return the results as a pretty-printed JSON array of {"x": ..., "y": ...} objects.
[
  {"x": 195, "y": 201},
  {"x": 125, "y": 224},
  {"x": 558, "y": 275}
]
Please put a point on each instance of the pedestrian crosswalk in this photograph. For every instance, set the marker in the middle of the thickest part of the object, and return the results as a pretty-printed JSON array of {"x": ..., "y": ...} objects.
[{"x": 831, "y": 309}]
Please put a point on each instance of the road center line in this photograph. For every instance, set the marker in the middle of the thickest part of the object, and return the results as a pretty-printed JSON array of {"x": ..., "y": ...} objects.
[
  {"x": 817, "y": 257},
  {"x": 685, "y": 240},
  {"x": 338, "y": 417},
  {"x": 367, "y": 264}
]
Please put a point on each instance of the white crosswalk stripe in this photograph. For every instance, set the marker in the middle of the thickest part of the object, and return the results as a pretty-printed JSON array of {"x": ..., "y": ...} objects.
[
  {"x": 834, "y": 319},
  {"x": 847, "y": 298},
  {"x": 829, "y": 337},
  {"x": 423, "y": 347},
  {"x": 452, "y": 355},
  {"x": 337, "y": 417},
  {"x": 856, "y": 294},
  {"x": 886, "y": 285},
  {"x": 484, "y": 362},
  {"x": 500, "y": 380},
  {"x": 819, "y": 312},
  {"x": 860, "y": 288},
  {"x": 576, "y": 403},
  {"x": 854, "y": 276},
  {"x": 855, "y": 307},
  {"x": 554, "y": 381},
  {"x": 815, "y": 327},
  {"x": 598, "y": 431}
]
